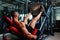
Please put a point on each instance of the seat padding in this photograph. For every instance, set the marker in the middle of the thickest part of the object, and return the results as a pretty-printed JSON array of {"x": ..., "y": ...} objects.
[{"x": 7, "y": 19}]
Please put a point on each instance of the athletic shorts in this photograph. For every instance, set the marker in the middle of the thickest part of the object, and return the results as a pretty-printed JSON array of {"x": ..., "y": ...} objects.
[{"x": 29, "y": 28}]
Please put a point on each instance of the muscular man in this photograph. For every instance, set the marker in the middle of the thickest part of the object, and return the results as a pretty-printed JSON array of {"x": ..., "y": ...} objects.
[{"x": 22, "y": 26}]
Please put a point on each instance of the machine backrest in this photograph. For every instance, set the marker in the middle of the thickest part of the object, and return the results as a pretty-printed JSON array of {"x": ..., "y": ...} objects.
[{"x": 7, "y": 19}]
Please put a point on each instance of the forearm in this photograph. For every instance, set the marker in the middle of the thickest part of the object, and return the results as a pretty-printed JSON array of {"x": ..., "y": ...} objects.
[{"x": 38, "y": 16}]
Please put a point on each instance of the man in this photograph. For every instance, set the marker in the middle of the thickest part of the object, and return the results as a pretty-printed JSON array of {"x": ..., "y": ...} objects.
[{"x": 23, "y": 26}]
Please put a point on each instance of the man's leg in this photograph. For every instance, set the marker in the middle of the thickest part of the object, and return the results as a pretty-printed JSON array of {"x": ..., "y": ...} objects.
[
  {"x": 34, "y": 20},
  {"x": 26, "y": 18}
]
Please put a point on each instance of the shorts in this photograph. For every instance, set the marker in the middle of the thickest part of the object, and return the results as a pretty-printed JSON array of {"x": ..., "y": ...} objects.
[{"x": 29, "y": 28}]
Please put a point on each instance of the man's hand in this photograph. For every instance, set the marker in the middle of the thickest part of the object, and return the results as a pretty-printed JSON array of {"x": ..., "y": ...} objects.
[{"x": 41, "y": 8}]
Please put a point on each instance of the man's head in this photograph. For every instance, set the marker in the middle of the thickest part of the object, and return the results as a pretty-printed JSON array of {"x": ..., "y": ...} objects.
[{"x": 14, "y": 14}]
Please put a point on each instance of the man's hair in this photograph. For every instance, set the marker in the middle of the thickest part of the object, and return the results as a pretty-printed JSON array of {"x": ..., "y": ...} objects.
[{"x": 13, "y": 12}]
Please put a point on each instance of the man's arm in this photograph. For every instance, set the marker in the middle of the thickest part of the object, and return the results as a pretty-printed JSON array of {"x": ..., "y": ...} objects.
[
  {"x": 25, "y": 31},
  {"x": 26, "y": 18}
]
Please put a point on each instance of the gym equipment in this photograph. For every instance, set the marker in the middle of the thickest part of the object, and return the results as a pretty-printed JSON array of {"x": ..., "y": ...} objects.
[
  {"x": 47, "y": 18},
  {"x": 12, "y": 28},
  {"x": 43, "y": 23}
]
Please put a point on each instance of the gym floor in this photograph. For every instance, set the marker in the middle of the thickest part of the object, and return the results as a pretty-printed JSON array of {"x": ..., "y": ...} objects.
[
  {"x": 55, "y": 37},
  {"x": 13, "y": 37}
]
